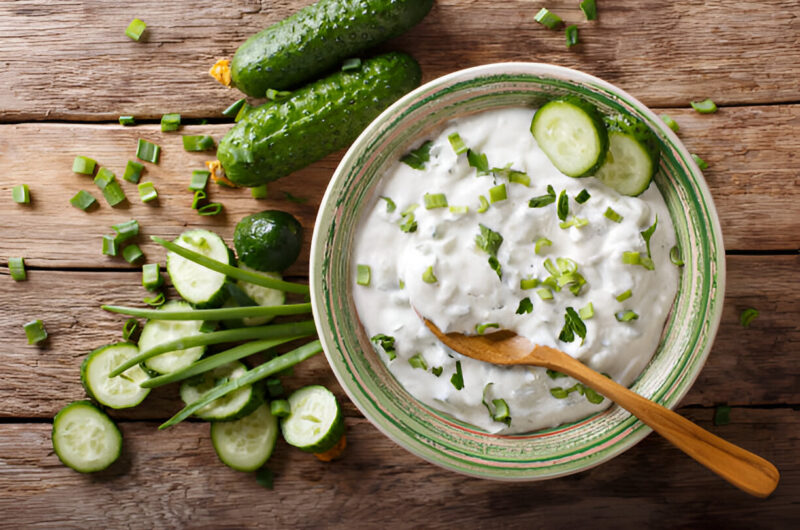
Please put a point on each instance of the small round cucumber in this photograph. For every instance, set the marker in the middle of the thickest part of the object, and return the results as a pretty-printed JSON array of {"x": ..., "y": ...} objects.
[
  {"x": 268, "y": 241},
  {"x": 157, "y": 332},
  {"x": 196, "y": 284},
  {"x": 246, "y": 444},
  {"x": 315, "y": 423},
  {"x": 235, "y": 405},
  {"x": 571, "y": 133},
  {"x": 118, "y": 392},
  {"x": 85, "y": 438},
  {"x": 632, "y": 158}
]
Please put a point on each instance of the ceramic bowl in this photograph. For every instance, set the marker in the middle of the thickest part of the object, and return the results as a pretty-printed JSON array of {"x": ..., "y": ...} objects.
[{"x": 435, "y": 436}]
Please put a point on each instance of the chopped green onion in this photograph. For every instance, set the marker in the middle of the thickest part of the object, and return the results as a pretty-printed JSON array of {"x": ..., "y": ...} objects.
[
  {"x": 409, "y": 223},
  {"x": 151, "y": 276},
  {"x": 127, "y": 120},
  {"x": 613, "y": 215},
  {"x": 484, "y": 204},
  {"x": 274, "y": 388},
  {"x": 386, "y": 342},
  {"x": 635, "y": 258},
  {"x": 573, "y": 325},
  {"x": 457, "y": 379},
  {"x": 589, "y": 8},
  {"x": 417, "y": 158},
  {"x": 233, "y": 109},
  {"x": 647, "y": 234},
  {"x": 543, "y": 200},
  {"x": 587, "y": 311},
  {"x": 722, "y": 415},
  {"x": 592, "y": 396},
  {"x": 258, "y": 192},
  {"x": 418, "y": 361},
  {"x": 552, "y": 374},
  {"x": 577, "y": 222},
  {"x": 126, "y": 230},
  {"x": 548, "y": 19},
  {"x": 129, "y": 329},
  {"x": 16, "y": 267},
  {"x": 558, "y": 392},
  {"x": 363, "y": 275},
  {"x": 279, "y": 408},
  {"x": 435, "y": 200},
  {"x": 478, "y": 161},
  {"x": 624, "y": 296},
  {"x": 83, "y": 165},
  {"x": 170, "y": 122},
  {"x": 563, "y": 205},
  {"x": 525, "y": 306},
  {"x": 278, "y": 95},
  {"x": 552, "y": 269},
  {"x": 459, "y": 209},
  {"x": 545, "y": 293},
  {"x": 704, "y": 107},
  {"x": 351, "y": 64},
  {"x": 457, "y": 143},
  {"x": 244, "y": 110},
  {"x": 488, "y": 240},
  {"x": 702, "y": 164},
  {"x": 147, "y": 192},
  {"x": 528, "y": 283},
  {"x": 401, "y": 283},
  {"x": 625, "y": 316},
  {"x": 498, "y": 193},
  {"x": 21, "y": 194},
  {"x": 135, "y": 29},
  {"x": 747, "y": 316},
  {"x": 292, "y": 198},
  {"x": 132, "y": 253},
  {"x": 212, "y": 208},
  {"x": 35, "y": 331},
  {"x": 519, "y": 177},
  {"x": 199, "y": 196},
  {"x": 104, "y": 177},
  {"x": 390, "y": 205},
  {"x": 155, "y": 301},
  {"x": 571, "y": 33},
  {"x": 541, "y": 242},
  {"x": 672, "y": 124},
  {"x": 133, "y": 171},
  {"x": 428, "y": 276},
  {"x": 675, "y": 256},
  {"x": 113, "y": 193},
  {"x": 437, "y": 370},
  {"x": 147, "y": 151},
  {"x": 198, "y": 142},
  {"x": 582, "y": 197},
  {"x": 109, "y": 245},
  {"x": 502, "y": 413}
]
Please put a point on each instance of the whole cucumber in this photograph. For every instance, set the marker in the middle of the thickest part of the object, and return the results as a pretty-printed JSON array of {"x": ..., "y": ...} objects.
[
  {"x": 278, "y": 138},
  {"x": 317, "y": 39}
]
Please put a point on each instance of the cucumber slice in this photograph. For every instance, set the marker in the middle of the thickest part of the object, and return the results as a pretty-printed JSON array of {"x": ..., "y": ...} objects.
[
  {"x": 118, "y": 392},
  {"x": 85, "y": 438},
  {"x": 243, "y": 294},
  {"x": 571, "y": 133},
  {"x": 196, "y": 284},
  {"x": 246, "y": 444},
  {"x": 235, "y": 405},
  {"x": 315, "y": 423},
  {"x": 156, "y": 332},
  {"x": 632, "y": 158}
]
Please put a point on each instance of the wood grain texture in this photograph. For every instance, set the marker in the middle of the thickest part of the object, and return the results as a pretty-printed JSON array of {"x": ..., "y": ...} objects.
[
  {"x": 75, "y": 62},
  {"x": 37, "y": 382},
  {"x": 173, "y": 479}
]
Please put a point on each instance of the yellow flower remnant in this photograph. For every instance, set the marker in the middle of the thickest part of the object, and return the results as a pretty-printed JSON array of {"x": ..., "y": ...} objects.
[{"x": 221, "y": 71}]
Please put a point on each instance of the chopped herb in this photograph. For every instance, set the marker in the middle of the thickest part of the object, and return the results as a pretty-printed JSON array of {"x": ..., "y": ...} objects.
[
  {"x": 265, "y": 478},
  {"x": 198, "y": 142},
  {"x": 563, "y": 205},
  {"x": 200, "y": 180},
  {"x": 635, "y": 258},
  {"x": 418, "y": 361},
  {"x": 484, "y": 204},
  {"x": 573, "y": 325},
  {"x": 295, "y": 199},
  {"x": 478, "y": 161},
  {"x": 155, "y": 301},
  {"x": 498, "y": 408},
  {"x": 704, "y": 107},
  {"x": 591, "y": 395},
  {"x": 170, "y": 122},
  {"x": 498, "y": 193},
  {"x": 199, "y": 196},
  {"x": 459, "y": 209},
  {"x": 488, "y": 240},
  {"x": 625, "y": 316},
  {"x": 212, "y": 208},
  {"x": 480, "y": 329},
  {"x": 428, "y": 276},
  {"x": 386, "y": 342},
  {"x": 234, "y": 108},
  {"x": 104, "y": 177},
  {"x": 437, "y": 370},
  {"x": 133, "y": 171},
  {"x": 545, "y": 293},
  {"x": 624, "y": 296},
  {"x": 280, "y": 408},
  {"x": 21, "y": 194},
  {"x": 457, "y": 143},
  {"x": 558, "y": 392},
  {"x": 135, "y": 29},
  {"x": 151, "y": 276},
  {"x": 127, "y": 120},
  {"x": 390, "y": 205},
  {"x": 435, "y": 200},
  {"x": 109, "y": 245},
  {"x": 525, "y": 306},
  {"x": 589, "y": 8},
  {"x": 147, "y": 151},
  {"x": 702, "y": 164},
  {"x": 587, "y": 311},
  {"x": 129, "y": 329},
  {"x": 647, "y": 234},
  {"x": 277, "y": 95},
  {"x": 528, "y": 283},
  {"x": 409, "y": 223},
  {"x": 83, "y": 165},
  {"x": 113, "y": 193},
  {"x": 553, "y": 374},
  {"x": 548, "y": 19},
  {"x": 16, "y": 267},
  {"x": 571, "y": 33},
  {"x": 351, "y": 64},
  {"x": 417, "y": 158},
  {"x": 543, "y": 200},
  {"x": 747, "y": 316},
  {"x": 147, "y": 192},
  {"x": 458, "y": 378},
  {"x": 613, "y": 215},
  {"x": 672, "y": 124},
  {"x": 577, "y": 222},
  {"x": 132, "y": 253},
  {"x": 722, "y": 415},
  {"x": 541, "y": 242},
  {"x": 126, "y": 230},
  {"x": 582, "y": 197},
  {"x": 401, "y": 283},
  {"x": 675, "y": 256},
  {"x": 363, "y": 275},
  {"x": 35, "y": 331},
  {"x": 518, "y": 177}
]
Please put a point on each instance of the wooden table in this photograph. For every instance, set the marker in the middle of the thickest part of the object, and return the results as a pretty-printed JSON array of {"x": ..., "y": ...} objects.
[{"x": 68, "y": 72}]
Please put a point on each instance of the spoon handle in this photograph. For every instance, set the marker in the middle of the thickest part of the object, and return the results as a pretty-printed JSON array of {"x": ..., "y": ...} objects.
[{"x": 743, "y": 469}]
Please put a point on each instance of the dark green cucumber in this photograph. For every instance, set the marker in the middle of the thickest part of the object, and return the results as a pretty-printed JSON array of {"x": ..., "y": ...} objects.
[
  {"x": 278, "y": 138},
  {"x": 317, "y": 39}
]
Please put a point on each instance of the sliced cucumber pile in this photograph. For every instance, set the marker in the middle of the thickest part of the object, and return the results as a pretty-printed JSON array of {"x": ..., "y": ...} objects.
[
  {"x": 196, "y": 284},
  {"x": 118, "y": 392},
  {"x": 572, "y": 135},
  {"x": 156, "y": 332},
  {"x": 85, "y": 438},
  {"x": 235, "y": 405},
  {"x": 315, "y": 423},
  {"x": 632, "y": 158},
  {"x": 246, "y": 444}
]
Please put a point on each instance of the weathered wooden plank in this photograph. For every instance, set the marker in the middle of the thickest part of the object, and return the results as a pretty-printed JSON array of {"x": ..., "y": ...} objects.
[
  {"x": 753, "y": 176},
  {"x": 37, "y": 382},
  {"x": 75, "y": 62},
  {"x": 173, "y": 479}
]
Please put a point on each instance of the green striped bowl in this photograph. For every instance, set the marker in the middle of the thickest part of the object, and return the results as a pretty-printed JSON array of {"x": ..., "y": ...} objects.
[{"x": 435, "y": 436}]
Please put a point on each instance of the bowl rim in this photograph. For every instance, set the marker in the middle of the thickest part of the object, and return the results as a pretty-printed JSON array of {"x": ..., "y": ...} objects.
[{"x": 638, "y": 430}]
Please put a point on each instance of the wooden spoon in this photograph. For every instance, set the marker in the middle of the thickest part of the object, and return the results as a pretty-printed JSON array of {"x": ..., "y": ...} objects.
[{"x": 743, "y": 469}]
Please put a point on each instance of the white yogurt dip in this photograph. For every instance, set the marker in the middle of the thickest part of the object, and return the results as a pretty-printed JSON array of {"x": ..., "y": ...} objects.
[{"x": 468, "y": 292}]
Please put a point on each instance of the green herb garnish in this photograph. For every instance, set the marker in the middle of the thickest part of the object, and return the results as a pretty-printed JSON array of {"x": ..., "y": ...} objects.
[
  {"x": 587, "y": 311},
  {"x": 589, "y": 8},
  {"x": 525, "y": 306},
  {"x": 418, "y": 361},
  {"x": 582, "y": 197},
  {"x": 573, "y": 325},
  {"x": 147, "y": 151},
  {"x": 675, "y": 256},
  {"x": 417, "y": 158},
  {"x": 386, "y": 342},
  {"x": 672, "y": 124},
  {"x": 82, "y": 200},
  {"x": 498, "y": 193},
  {"x": 480, "y": 329},
  {"x": 548, "y": 19},
  {"x": 428, "y": 276},
  {"x": 363, "y": 275},
  {"x": 747, "y": 316},
  {"x": 610, "y": 213},
  {"x": 563, "y": 205},
  {"x": 702, "y": 164},
  {"x": 458, "y": 378},
  {"x": 16, "y": 267},
  {"x": 457, "y": 143},
  {"x": 435, "y": 200},
  {"x": 625, "y": 316},
  {"x": 390, "y": 205},
  {"x": 541, "y": 242},
  {"x": 571, "y": 33},
  {"x": 478, "y": 161},
  {"x": 704, "y": 107}
]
